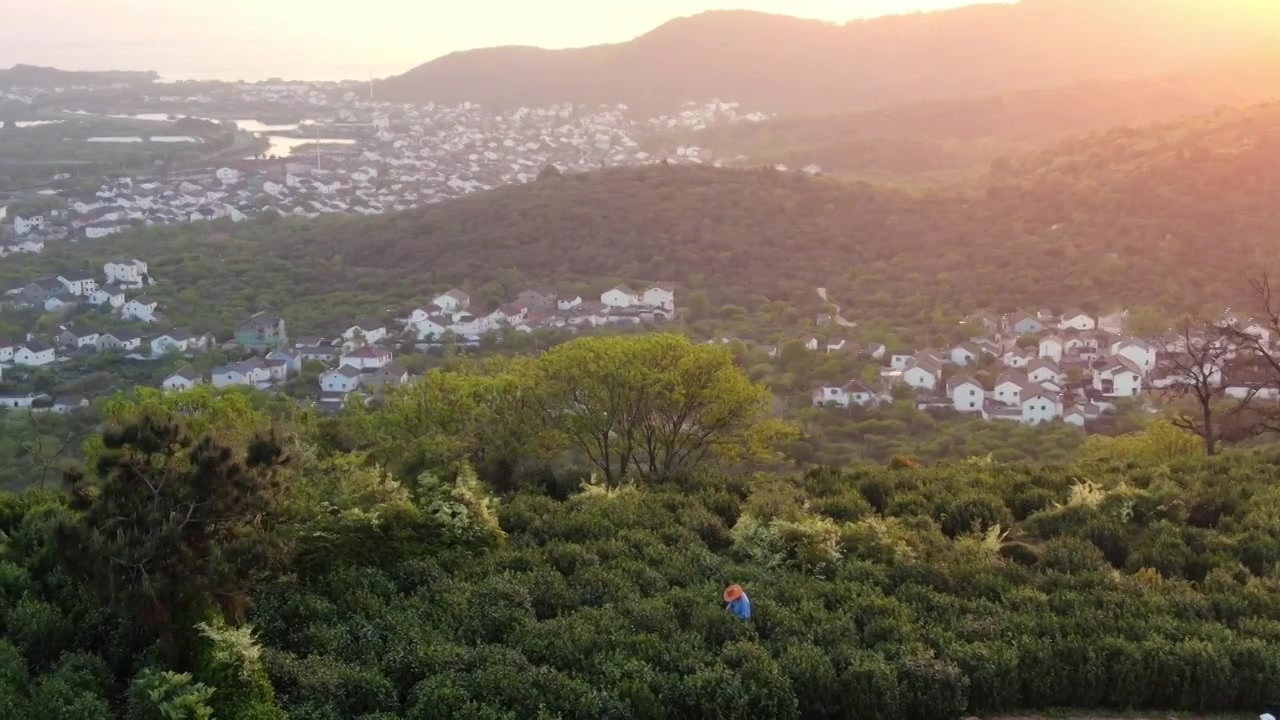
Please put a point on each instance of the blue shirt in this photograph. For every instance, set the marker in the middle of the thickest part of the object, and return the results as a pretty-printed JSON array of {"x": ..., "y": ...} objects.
[{"x": 741, "y": 607}]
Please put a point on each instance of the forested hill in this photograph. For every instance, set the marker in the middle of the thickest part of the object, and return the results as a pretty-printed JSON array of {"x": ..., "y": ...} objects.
[
  {"x": 784, "y": 64},
  {"x": 957, "y": 138},
  {"x": 1169, "y": 217},
  {"x": 28, "y": 76}
]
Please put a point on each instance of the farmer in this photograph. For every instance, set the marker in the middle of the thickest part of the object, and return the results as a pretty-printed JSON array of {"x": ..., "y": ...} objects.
[{"x": 737, "y": 602}]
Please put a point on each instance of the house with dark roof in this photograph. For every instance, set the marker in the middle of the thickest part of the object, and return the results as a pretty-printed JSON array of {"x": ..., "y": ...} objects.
[{"x": 262, "y": 331}]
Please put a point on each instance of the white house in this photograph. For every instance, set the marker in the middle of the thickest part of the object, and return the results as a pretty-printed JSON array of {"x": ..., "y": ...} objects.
[
  {"x": 1077, "y": 320},
  {"x": 33, "y": 354},
  {"x": 468, "y": 324},
  {"x": 453, "y": 301},
  {"x": 59, "y": 302},
  {"x": 854, "y": 392},
  {"x": 367, "y": 358},
  {"x": 123, "y": 340},
  {"x": 229, "y": 375},
  {"x": 568, "y": 301},
  {"x": 429, "y": 329},
  {"x": 290, "y": 357},
  {"x": 79, "y": 338},
  {"x": 1040, "y": 407},
  {"x": 661, "y": 296},
  {"x": 620, "y": 296},
  {"x": 6, "y": 350},
  {"x": 1052, "y": 347},
  {"x": 1119, "y": 379},
  {"x": 370, "y": 330},
  {"x": 900, "y": 359},
  {"x": 923, "y": 375},
  {"x": 174, "y": 341},
  {"x": 1018, "y": 358},
  {"x": 1041, "y": 371},
  {"x": 101, "y": 230},
  {"x": 1139, "y": 352},
  {"x": 16, "y": 402},
  {"x": 964, "y": 354},
  {"x": 182, "y": 380},
  {"x": 1009, "y": 388},
  {"x": 966, "y": 394},
  {"x": 78, "y": 284},
  {"x": 227, "y": 175},
  {"x": 343, "y": 380},
  {"x": 255, "y": 371},
  {"x": 23, "y": 225},
  {"x": 112, "y": 295},
  {"x": 142, "y": 308},
  {"x": 126, "y": 272}
]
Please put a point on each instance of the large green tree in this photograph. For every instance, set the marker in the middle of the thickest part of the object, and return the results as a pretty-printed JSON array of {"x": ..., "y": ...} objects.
[
  {"x": 173, "y": 526},
  {"x": 650, "y": 405}
]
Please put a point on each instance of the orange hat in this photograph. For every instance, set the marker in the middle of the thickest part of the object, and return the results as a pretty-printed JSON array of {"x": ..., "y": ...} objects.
[{"x": 733, "y": 592}]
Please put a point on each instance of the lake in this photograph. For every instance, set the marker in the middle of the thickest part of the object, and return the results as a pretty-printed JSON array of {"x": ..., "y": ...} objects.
[
  {"x": 29, "y": 123},
  {"x": 277, "y": 145},
  {"x": 282, "y": 146}
]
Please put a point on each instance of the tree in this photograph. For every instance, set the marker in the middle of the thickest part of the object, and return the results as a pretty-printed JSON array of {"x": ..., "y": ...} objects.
[
  {"x": 1198, "y": 376},
  {"x": 650, "y": 405},
  {"x": 172, "y": 526},
  {"x": 482, "y": 413}
]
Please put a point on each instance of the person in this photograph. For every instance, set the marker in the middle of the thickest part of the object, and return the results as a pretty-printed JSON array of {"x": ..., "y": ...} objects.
[{"x": 737, "y": 602}]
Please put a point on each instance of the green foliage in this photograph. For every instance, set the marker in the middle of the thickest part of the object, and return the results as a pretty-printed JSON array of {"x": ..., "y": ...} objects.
[
  {"x": 304, "y": 573},
  {"x": 164, "y": 695}
]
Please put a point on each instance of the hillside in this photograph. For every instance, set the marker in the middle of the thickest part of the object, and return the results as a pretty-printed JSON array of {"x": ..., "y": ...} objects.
[
  {"x": 30, "y": 76},
  {"x": 1168, "y": 217},
  {"x": 784, "y": 64},
  {"x": 959, "y": 137}
]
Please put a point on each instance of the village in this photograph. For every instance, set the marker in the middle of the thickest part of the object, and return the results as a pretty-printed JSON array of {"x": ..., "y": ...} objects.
[
  {"x": 375, "y": 158},
  {"x": 358, "y": 360},
  {"x": 1036, "y": 368}
]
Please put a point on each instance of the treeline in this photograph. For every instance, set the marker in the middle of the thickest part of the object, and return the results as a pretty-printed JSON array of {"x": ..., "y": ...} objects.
[{"x": 216, "y": 558}]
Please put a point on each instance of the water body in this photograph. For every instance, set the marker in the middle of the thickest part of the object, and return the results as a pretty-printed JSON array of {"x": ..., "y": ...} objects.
[
  {"x": 257, "y": 126},
  {"x": 278, "y": 145},
  {"x": 115, "y": 139},
  {"x": 29, "y": 123},
  {"x": 282, "y": 146}
]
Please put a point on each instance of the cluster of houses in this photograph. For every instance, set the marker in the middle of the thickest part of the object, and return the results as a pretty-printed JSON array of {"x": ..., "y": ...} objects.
[
  {"x": 533, "y": 309},
  {"x": 73, "y": 289},
  {"x": 391, "y": 157},
  {"x": 356, "y": 360},
  {"x": 1038, "y": 368}
]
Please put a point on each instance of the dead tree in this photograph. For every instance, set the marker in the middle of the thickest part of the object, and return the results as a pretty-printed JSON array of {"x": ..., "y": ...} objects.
[{"x": 1198, "y": 370}]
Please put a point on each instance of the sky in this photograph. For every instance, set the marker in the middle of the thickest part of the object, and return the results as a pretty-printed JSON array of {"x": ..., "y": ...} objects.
[{"x": 333, "y": 39}]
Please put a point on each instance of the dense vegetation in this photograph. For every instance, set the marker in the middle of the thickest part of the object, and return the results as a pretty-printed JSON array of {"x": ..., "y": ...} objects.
[
  {"x": 448, "y": 554},
  {"x": 784, "y": 64},
  {"x": 1101, "y": 221},
  {"x": 956, "y": 139}
]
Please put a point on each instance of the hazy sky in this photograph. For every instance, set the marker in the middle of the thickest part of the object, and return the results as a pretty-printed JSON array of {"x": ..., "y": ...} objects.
[{"x": 324, "y": 39}]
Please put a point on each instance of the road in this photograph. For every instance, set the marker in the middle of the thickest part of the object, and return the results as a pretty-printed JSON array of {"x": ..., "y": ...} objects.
[{"x": 822, "y": 293}]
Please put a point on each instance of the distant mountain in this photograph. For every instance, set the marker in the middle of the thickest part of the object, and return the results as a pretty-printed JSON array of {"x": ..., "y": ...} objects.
[
  {"x": 946, "y": 139},
  {"x": 32, "y": 76},
  {"x": 784, "y": 64}
]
